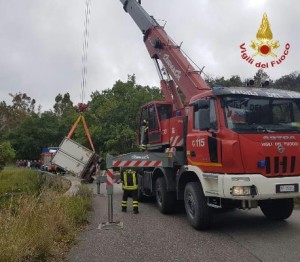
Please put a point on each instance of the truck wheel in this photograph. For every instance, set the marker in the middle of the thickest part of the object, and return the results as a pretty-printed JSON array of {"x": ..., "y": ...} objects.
[
  {"x": 165, "y": 200},
  {"x": 277, "y": 209},
  {"x": 199, "y": 214}
]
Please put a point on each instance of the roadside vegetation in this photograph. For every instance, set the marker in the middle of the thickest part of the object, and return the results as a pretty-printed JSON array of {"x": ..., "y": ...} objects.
[{"x": 37, "y": 222}]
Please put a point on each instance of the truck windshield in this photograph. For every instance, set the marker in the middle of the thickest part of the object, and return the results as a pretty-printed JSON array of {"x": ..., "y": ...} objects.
[{"x": 249, "y": 114}]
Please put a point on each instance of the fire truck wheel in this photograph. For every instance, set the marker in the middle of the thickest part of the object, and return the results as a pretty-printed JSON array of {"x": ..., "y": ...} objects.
[
  {"x": 166, "y": 201},
  {"x": 199, "y": 214},
  {"x": 277, "y": 209}
]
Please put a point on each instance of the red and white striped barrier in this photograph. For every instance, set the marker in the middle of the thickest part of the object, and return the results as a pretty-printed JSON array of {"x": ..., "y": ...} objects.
[
  {"x": 109, "y": 177},
  {"x": 137, "y": 163}
]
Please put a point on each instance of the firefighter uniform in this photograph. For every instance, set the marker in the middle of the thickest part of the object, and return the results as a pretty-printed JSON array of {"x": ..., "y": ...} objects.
[
  {"x": 145, "y": 126},
  {"x": 130, "y": 188}
]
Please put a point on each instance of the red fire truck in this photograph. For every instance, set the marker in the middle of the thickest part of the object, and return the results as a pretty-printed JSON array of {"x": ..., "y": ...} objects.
[
  {"x": 215, "y": 149},
  {"x": 46, "y": 157}
]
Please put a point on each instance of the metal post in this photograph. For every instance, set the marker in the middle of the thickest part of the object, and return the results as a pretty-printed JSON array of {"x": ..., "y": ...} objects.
[
  {"x": 98, "y": 183},
  {"x": 110, "y": 190},
  {"x": 110, "y": 209},
  {"x": 100, "y": 178},
  {"x": 98, "y": 188}
]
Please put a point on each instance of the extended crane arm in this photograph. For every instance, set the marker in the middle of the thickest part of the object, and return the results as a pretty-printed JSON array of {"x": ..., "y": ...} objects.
[
  {"x": 143, "y": 20},
  {"x": 161, "y": 47}
]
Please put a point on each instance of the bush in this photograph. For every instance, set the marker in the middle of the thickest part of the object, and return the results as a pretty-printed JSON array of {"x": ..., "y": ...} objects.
[
  {"x": 75, "y": 205},
  {"x": 7, "y": 153}
]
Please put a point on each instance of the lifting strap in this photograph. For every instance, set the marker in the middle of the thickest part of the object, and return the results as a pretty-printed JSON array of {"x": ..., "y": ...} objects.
[{"x": 87, "y": 132}]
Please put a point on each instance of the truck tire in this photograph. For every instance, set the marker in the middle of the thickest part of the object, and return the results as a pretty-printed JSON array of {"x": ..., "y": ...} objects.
[
  {"x": 199, "y": 214},
  {"x": 166, "y": 201},
  {"x": 277, "y": 209}
]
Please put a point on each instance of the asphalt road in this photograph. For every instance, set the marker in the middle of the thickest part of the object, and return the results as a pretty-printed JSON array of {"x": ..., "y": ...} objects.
[{"x": 242, "y": 236}]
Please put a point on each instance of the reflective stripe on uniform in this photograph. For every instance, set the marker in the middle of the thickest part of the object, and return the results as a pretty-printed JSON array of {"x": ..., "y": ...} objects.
[{"x": 125, "y": 182}]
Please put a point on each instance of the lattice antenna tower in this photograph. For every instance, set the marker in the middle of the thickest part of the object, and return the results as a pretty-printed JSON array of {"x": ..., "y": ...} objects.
[{"x": 85, "y": 47}]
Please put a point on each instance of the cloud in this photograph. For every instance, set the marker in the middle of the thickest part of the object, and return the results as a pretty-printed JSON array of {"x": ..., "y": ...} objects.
[{"x": 41, "y": 42}]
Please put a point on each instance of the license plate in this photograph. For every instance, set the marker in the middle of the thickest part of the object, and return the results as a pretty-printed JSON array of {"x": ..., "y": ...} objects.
[{"x": 290, "y": 188}]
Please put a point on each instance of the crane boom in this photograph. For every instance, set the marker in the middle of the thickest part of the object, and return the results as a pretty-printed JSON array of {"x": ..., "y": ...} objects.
[
  {"x": 161, "y": 47},
  {"x": 143, "y": 20}
]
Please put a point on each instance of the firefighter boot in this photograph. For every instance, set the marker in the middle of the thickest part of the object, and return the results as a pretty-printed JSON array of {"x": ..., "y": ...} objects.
[
  {"x": 135, "y": 210},
  {"x": 124, "y": 205}
]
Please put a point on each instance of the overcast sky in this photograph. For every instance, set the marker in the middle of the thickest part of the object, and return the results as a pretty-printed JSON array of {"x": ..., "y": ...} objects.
[{"x": 41, "y": 42}]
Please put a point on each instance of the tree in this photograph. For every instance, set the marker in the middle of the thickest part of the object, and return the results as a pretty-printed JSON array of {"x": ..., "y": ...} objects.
[
  {"x": 113, "y": 115},
  {"x": 35, "y": 133},
  {"x": 23, "y": 102},
  {"x": 233, "y": 81},
  {"x": 63, "y": 105},
  {"x": 289, "y": 82},
  {"x": 4, "y": 115},
  {"x": 7, "y": 153},
  {"x": 260, "y": 77},
  {"x": 13, "y": 115}
]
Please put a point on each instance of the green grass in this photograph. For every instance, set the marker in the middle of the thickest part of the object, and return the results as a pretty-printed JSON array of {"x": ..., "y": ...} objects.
[
  {"x": 38, "y": 223},
  {"x": 17, "y": 180}
]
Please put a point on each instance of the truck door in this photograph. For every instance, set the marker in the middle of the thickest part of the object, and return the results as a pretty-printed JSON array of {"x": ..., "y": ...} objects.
[
  {"x": 149, "y": 131},
  {"x": 154, "y": 126},
  {"x": 203, "y": 144}
]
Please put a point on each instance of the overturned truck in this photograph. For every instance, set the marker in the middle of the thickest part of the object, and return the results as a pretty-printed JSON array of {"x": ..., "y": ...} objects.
[{"x": 76, "y": 159}]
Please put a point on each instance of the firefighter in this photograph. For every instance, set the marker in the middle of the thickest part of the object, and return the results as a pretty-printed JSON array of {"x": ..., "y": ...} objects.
[
  {"x": 130, "y": 188},
  {"x": 145, "y": 141}
]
